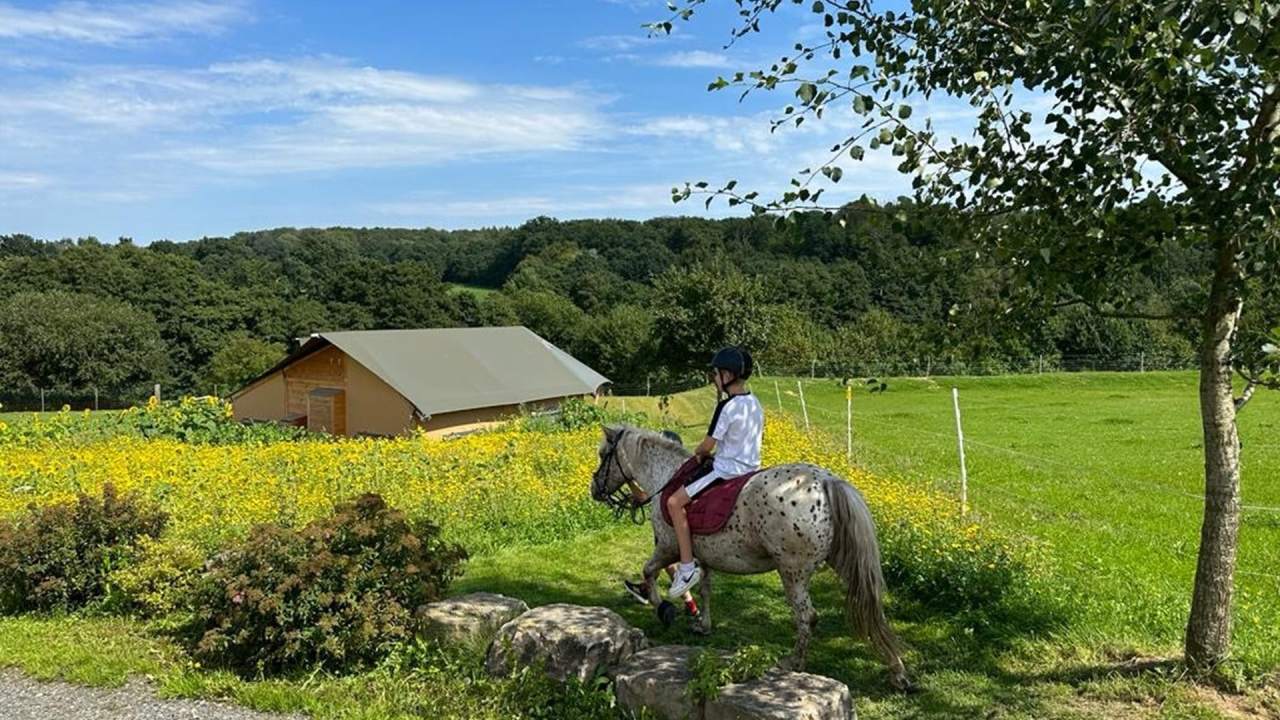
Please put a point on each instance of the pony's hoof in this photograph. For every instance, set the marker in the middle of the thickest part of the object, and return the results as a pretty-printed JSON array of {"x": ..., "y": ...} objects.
[
  {"x": 666, "y": 613},
  {"x": 698, "y": 628}
]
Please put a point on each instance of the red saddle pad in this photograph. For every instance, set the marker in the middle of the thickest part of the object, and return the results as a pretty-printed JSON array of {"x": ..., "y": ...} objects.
[{"x": 711, "y": 509}]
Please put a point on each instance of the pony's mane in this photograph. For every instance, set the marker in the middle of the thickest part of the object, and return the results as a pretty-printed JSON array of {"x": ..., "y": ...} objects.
[{"x": 655, "y": 438}]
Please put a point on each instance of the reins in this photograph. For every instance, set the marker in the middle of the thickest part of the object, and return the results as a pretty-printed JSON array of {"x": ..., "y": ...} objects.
[{"x": 621, "y": 500}]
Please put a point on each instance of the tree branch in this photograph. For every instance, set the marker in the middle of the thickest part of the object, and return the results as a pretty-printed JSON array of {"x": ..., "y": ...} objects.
[
  {"x": 1265, "y": 129},
  {"x": 1247, "y": 395}
]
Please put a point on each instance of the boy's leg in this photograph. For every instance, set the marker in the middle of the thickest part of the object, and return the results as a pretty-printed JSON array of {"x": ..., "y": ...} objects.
[
  {"x": 688, "y": 574},
  {"x": 680, "y": 523}
]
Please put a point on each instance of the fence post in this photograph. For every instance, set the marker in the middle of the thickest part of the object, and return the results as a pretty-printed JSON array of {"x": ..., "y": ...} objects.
[
  {"x": 158, "y": 392},
  {"x": 964, "y": 471},
  {"x": 41, "y": 399},
  {"x": 813, "y": 368},
  {"x": 647, "y": 386},
  {"x": 804, "y": 408},
  {"x": 1142, "y": 362},
  {"x": 848, "y": 423},
  {"x": 777, "y": 393},
  {"x": 1041, "y": 372},
  {"x": 95, "y": 399}
]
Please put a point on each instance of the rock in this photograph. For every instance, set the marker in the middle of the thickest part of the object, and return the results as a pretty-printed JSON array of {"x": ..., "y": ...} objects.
[
  {"x": 469, "y": 618},
  {"x": 789, "y": 695},
  {"x": 570, "y": 641},
  {"x": 657, "y": 679}
]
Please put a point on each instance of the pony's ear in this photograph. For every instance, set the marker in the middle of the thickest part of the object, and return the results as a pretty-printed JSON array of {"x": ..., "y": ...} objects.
[{"x": 612, "y": 433}]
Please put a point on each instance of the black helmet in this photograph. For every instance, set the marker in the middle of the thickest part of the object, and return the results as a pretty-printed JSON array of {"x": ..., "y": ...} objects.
[{"x": 735, "y": 360}]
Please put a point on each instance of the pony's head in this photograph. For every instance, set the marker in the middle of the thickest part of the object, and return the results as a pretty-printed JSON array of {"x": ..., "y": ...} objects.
[
  {"x": 620, "y": 450},
  {"x": 609, "y": 476}
]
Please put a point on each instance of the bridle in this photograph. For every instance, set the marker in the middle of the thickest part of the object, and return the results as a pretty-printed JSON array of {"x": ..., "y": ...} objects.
[{"x": 620, "y": 499}]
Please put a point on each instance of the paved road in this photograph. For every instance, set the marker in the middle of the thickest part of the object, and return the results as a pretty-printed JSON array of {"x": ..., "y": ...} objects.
[{"x": 22, "y": 698}]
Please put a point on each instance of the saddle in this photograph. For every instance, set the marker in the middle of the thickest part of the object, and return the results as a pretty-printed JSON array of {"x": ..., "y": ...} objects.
[{"x": 711, "y": 509}]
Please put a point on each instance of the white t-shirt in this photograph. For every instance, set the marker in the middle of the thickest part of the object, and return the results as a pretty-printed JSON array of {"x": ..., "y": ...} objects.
[{"x": 737, "y": 426}]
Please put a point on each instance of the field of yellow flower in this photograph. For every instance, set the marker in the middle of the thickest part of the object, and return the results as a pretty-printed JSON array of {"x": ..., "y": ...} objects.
[{"x": 487, "y": 490}]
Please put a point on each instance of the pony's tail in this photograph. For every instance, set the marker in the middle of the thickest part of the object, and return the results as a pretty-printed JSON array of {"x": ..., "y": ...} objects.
[{"x": 855, "y": 556}]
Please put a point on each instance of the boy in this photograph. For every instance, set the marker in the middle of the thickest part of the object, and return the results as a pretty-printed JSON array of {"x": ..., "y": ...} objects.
[{"x": 734, "y": 436}]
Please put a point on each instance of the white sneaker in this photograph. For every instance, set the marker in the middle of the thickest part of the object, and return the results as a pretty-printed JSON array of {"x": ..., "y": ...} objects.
[{"x": 684, "y": 580}]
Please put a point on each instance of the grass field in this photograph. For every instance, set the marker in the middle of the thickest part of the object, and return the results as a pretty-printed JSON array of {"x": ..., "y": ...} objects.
[
  {"x": 1102, "y": 470},
  {"x": 1106, "y": 468}
]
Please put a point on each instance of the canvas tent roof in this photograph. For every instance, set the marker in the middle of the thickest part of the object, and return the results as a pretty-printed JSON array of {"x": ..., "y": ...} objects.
[{"x": 448, "y": 369}]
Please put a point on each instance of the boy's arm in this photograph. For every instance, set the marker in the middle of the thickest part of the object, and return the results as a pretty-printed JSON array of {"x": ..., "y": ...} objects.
[{"x": 706, "y": 447}]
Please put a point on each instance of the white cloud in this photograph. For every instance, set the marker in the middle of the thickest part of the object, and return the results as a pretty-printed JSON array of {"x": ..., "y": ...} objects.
[
  {"x": 266, "y": 116},
  {"x": 21, "y": 181},
  {"x": 623, "y": 43},
  {"x": 694, "y": 59},
  {"x": 567, "y": 202},
  {"x": 111, "y": 23}
]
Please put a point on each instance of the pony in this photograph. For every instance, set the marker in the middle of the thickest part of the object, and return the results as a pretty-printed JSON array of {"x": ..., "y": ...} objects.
[{"x": 789, "y": 518}]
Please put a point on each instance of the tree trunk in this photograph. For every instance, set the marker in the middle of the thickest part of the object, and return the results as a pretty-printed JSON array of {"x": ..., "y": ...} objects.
[{"x": 1209, "y": 628}]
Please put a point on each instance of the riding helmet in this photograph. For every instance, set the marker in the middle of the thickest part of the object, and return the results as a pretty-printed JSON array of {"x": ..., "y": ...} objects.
[{"x": 735, "y": 360}]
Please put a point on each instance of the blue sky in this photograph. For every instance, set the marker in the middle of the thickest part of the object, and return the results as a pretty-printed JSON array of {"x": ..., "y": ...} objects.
[{"x": 181, "y": 118}]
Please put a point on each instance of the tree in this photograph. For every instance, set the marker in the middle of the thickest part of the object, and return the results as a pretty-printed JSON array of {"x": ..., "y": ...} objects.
[
  {"x": 619, "y": 343},
  {"x": 552, "y": 316},
  {"x": 1162, "y": 123},
  {"x": 240, "y": 360},
  {"x": 72, "y": 342},
  {"x": 700, "y": 309}
]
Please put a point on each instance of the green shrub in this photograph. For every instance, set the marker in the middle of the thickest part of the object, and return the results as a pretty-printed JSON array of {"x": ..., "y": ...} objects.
[
  {"x": 530, "y": 693},
  {"x": 575, "y": 413},
  {"x": 339, "y": 593},
  {"x": 201, "y": 420},
  {"x": 160, "y": 580},
  {"x": 60, "y": 556},
  {"x": 711, "y": 671}
]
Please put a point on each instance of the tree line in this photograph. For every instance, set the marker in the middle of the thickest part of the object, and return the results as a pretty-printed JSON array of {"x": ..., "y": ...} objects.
[{"x": 848, "y": 292}]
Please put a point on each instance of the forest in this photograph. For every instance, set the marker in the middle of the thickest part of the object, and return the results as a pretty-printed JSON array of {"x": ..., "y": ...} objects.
[{"x": 899, "y": 291}]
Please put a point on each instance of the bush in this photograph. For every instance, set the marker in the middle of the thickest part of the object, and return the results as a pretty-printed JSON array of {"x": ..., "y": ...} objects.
[
  {"x": 201, "y": 420},
  {"x": 60, "y": 556},
  {"x": 339, "y": 593},
  {"x": 578, "y": 414},
  {"x": 160, "y": 580}
]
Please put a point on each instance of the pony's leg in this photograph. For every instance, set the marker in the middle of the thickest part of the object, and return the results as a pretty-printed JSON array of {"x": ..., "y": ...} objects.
[
  {"x": 795, "y": 583},
  {"x": 703, "y": 626},
  {"x": 652, "y": 567}
]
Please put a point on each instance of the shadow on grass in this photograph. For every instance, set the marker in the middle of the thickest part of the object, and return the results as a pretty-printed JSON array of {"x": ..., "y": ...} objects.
[{"x": 957, "y": 660}]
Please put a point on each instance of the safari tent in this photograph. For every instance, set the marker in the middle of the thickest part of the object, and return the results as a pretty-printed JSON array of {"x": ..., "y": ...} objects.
[{"x": 390, "y": 382}]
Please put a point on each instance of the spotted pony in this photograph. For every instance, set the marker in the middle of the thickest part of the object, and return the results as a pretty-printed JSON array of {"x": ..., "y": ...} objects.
[{"x": 789, "y": 518}]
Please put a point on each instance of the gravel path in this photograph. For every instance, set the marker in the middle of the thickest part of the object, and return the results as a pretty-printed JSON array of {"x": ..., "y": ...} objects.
[{"x": 22, "y": 698}]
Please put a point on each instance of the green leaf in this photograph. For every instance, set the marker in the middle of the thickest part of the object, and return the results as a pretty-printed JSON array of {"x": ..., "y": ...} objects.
[
  {"x": 904, "y": 111},
  {"x": 856, "y": 152},
  {"x": 806, "y": 92},
  {"x": 818, "y": 7}
]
